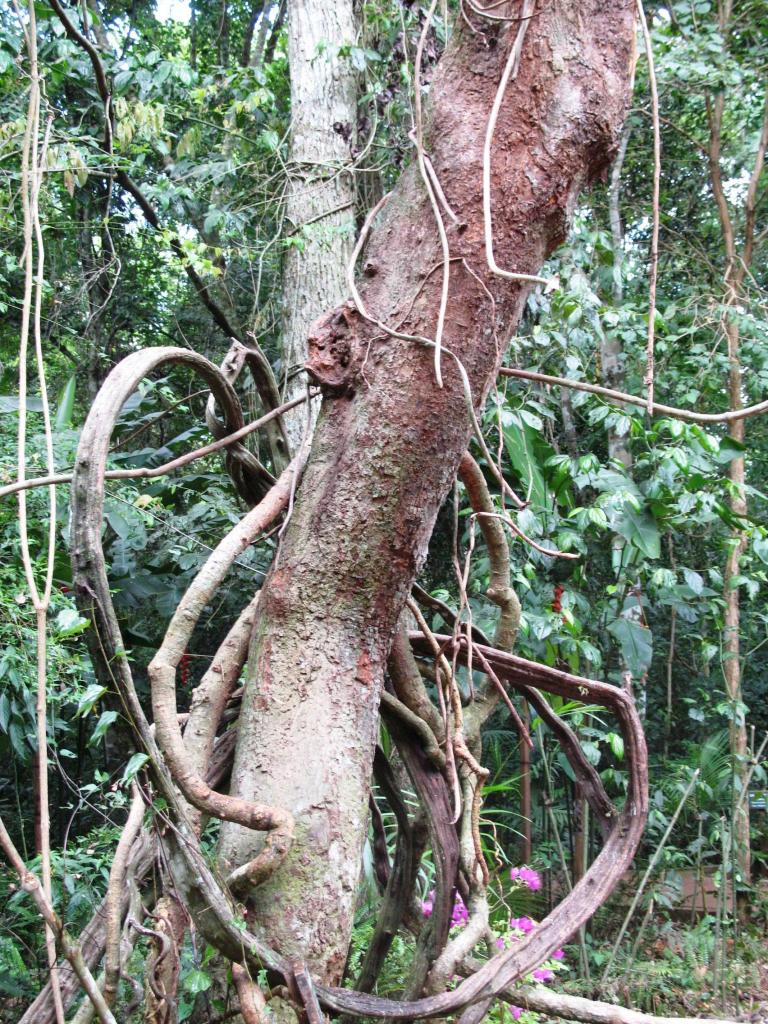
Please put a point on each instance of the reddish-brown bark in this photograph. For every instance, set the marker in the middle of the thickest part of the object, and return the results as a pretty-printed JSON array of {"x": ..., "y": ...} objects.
[{"x": 388, "y": 441}]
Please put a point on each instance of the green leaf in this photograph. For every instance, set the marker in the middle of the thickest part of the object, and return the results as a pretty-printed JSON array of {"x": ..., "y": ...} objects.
[
  {"x": 197, "y": 981},
  {"x": 133, "y": 767},
  {"x": 66, "y": 404},
  {"x": 519, "y": 442},
  {"x": 213, "y": 220},
  {"x": 117, "y": 521},
  {"x": 694, "y": 580},
  {"x": 639, "y": 528},
  {"x": 105, "y": 721},
  {"x": 760, "y": 547},
  {"x": 93, "y": 693},
  {"x": 69, "y": 623},
  {"x": 636, "y": 644}
]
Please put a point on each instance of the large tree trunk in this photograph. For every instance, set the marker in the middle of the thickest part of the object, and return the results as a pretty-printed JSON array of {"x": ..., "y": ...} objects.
[
  {"x": 389, "y": 441},
  {"x": 320, "y": 205}
]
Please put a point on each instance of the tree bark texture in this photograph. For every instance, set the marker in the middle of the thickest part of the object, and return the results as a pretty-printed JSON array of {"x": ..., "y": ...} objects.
[
  {"x": 320, "y": 205},
  {"x": 389, "y": 441}
]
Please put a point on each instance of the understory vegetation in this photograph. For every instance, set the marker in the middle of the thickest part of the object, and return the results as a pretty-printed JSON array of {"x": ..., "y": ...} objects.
[{"x": 163, "y": 222}]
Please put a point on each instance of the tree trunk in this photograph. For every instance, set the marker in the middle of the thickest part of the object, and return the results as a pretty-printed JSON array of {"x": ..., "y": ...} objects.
[
  {"x": 738, "y": 261},
  {"x": 389, "y": 441},
  {"x": 320, "y": 206},
  {"x": 732, "y": 618}
]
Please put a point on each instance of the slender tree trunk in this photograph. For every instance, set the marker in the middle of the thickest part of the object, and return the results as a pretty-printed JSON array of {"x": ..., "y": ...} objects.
[
  {"x": 320, "y": 205},
  {"x": 389, "y": 441},
  {"x": 732, "y": 618},
  {"x": 738, "y": 261}
]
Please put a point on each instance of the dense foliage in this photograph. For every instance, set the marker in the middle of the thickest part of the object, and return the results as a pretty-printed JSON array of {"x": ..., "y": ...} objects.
[{"x": 200, "y": 125}]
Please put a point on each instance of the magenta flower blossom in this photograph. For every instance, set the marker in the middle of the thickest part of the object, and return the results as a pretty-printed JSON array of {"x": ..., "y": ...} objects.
[
  {"x": 558, "y": 954},
  {"x": 522, "y": 924},
  {"x": 459, "y": 915},
  {"x": 516, "y": 1011},
  {"x": 500, "y": 943},
  {"x": 543, "y": 974},
  {"x": 527, "y": 876}
]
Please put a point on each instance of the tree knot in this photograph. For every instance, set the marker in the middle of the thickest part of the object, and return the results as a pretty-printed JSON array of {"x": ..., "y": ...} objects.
[{"x": 333, "y": 344}]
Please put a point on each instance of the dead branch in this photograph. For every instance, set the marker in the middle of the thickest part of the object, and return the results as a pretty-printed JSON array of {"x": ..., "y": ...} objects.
[
  {"x": 427, "y": 179},
  {"x": 85, "y": 1012},
  {"x": 408, "y": 683},
  {"x": 430, "y": 601},
  {"x": 89, "y": 489},
  {"x": 560, "y": 1004},
  {"x": 200, "y": 888},
  {"x": 253, "y": 1005},
  {"x": 509, "y": 74},
  {"x": 149, "y": 473},
  {"x": 620, "y": 396},
  {"x": 396, "y": 708},
  {"x": 162, "y": 675},
  {"x": 411, "y": 841},
  {"x": 586, "y": 773},
  {"x": 435, "y": 798},
  {"x": 238, "y": 356},
  {"x": 92, "y": 940},
  {"x": 32, "y": 161},
  {"x": 114, "y": 898},
  {"x": 499, "y": 590},
  {"x": 617, "y": 853},
  {"x": 210, "y": 696}
]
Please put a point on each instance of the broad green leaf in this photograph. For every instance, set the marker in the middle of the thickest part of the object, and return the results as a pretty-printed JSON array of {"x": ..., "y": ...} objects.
[
  {"x": 519, "y": 442},
  {"x": 640, "y": 529},
  {"x": 66, "y": 404},
  {"x": 197, "y": 981},
  {"x": 134, "y": 766},
  {"x": 92, "y": 694},
  {"x": 694, "y": 580},
  {"x": 105, "y": 721},
  {"x": 636, "y": 645}
]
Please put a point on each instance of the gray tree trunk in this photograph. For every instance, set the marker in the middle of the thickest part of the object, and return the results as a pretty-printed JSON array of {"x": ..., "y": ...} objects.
[{"x": 320, "y": 205}]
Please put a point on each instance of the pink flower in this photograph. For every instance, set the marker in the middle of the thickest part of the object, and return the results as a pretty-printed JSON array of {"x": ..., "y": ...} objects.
[
  {"x": 522, "y": 924},
  {"x": 527, "y": 876},
  {"x": 558, "y": 954},
  {"x": 500, "y": 944},
  {"x": 516, "y": 1011},
  {"x": 543, "y": 974},
  {"x": 460, "y": 914}
]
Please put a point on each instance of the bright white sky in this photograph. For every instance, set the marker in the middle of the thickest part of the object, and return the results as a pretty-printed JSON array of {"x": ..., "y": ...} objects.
[{"x": 175, "y": 10}]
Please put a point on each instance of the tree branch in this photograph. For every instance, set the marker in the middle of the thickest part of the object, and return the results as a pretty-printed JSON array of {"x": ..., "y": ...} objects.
[{"x": 620, "y": 396}]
